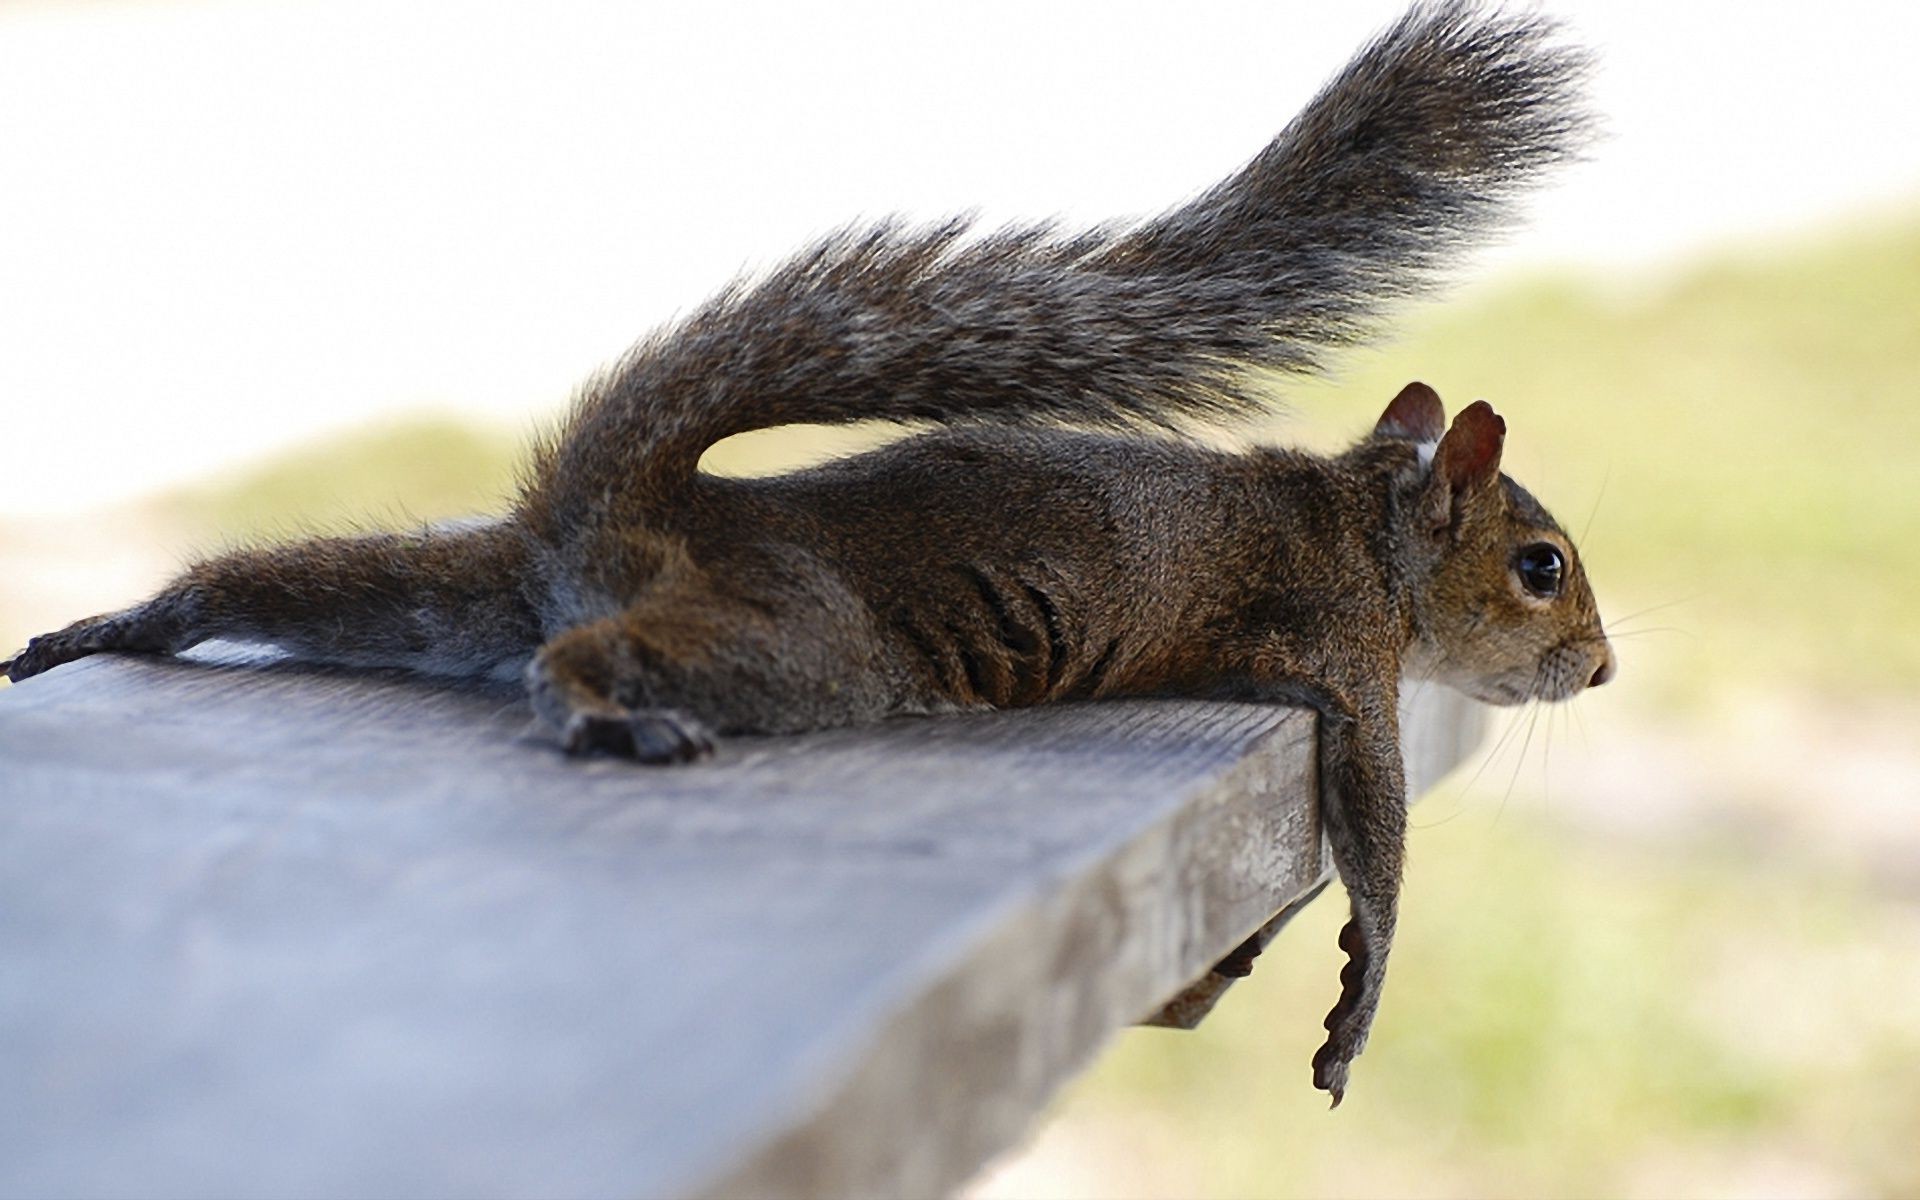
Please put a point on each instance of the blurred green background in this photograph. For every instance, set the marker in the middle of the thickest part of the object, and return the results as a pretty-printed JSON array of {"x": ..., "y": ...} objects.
[{"x": 1662, "y": 942}]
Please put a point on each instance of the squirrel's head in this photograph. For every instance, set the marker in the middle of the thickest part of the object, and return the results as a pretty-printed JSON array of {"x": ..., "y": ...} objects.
[{"x": 1501, "y": 601}]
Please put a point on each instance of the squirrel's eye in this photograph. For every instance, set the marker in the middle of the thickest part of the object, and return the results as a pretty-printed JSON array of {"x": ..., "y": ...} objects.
[{"x": 1539, "y": 567}]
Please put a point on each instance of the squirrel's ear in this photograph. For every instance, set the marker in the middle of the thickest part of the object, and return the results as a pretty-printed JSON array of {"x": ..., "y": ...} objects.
[
  {"x": 1467, "y": 460},
  {"x": 1416, "y": 414},
  {"x": 1469, "y": 455}
]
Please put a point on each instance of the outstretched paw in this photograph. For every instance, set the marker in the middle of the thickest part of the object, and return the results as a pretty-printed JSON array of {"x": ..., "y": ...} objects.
[
  {"x": 659, "y": 735},
  {"x": 153, "y": 627},
  {"x": 50, "y": 650}
]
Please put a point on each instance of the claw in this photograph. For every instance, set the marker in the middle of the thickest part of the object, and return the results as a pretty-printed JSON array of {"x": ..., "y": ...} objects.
[
  {"x": 648, "y": 736},
  {"x": 1330, "y": 1073}
]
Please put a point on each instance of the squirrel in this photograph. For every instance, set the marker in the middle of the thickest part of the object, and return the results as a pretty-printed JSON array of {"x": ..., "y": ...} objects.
[{"x": 1052, "y": 537}]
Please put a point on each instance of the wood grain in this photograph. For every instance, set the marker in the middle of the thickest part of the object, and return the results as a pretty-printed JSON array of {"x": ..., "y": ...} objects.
[{"x": 277, "y": 930}]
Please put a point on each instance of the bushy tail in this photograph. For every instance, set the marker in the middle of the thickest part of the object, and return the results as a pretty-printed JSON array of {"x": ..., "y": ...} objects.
[{"x": 1411, "y": 153}]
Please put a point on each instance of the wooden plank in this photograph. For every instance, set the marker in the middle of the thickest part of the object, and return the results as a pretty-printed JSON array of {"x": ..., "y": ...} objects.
[{"x": 277, "y": 930}]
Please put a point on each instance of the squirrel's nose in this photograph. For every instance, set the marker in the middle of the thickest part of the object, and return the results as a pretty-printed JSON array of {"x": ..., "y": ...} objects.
[{"x": 1605, "y": 670}]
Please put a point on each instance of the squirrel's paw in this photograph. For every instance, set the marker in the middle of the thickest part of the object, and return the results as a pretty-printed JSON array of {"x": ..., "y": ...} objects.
[
  {"x": 1349, "y": 1022},
  {"x": 1331, "y": 1065},
  {"x": 658, "y": 735},
  {"x": 50, "y": 650}
]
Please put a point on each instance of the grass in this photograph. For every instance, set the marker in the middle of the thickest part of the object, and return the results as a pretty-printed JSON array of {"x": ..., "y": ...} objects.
[{"x": 427, "y": 469}]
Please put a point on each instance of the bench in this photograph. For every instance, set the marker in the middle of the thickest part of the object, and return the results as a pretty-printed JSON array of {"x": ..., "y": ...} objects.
[{"x": 270, "y": 929}]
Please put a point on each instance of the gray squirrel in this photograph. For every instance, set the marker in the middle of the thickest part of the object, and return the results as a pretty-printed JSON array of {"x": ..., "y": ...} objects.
[{"x": 1052, "y": 537}]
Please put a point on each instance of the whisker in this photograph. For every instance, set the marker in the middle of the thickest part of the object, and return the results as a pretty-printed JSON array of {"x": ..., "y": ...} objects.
[
  {"x": 1518, "y": 763},
  {"x": 1513, "y": 723},
  {"x": 1532, "y": 712},
  {"x": 1653, "y": 608},
  {"x": 1595, "y": 510},
  {"x": 1634, "y": 633},
  {"x": 1458, "y": 809},
  {"x": 1546, "y": 755}
]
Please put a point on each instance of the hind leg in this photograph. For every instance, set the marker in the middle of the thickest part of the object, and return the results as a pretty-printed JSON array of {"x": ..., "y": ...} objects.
[
  {"x": 659, "y": 680},
  {"x": 595, "y": 685},
  {"x": 442, "y": 602}
]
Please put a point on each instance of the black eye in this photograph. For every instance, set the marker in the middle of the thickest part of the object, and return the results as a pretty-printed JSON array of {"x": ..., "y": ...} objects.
[{"x": 1539, "y": 567}]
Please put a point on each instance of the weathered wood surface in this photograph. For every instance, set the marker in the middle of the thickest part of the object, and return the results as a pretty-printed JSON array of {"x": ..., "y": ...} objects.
[{"x": 272, "y": 930}]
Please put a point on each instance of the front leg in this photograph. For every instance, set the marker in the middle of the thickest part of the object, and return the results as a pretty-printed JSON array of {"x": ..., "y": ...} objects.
[{"x": 1363, "y": 807}]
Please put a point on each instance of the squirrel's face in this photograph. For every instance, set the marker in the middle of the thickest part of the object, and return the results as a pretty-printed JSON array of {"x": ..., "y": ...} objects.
[
  {"x": 1510, "y": 616},
  {"x": 1505, "y": 611}
]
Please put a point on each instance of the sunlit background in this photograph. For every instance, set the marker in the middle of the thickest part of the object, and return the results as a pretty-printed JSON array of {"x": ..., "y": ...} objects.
[{"x": 270, "y": 266}]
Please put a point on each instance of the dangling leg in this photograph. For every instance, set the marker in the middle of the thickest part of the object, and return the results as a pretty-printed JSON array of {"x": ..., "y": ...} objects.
[
  {"x": 1363, "y": 805},
  {"x": 445, "y": 602}
]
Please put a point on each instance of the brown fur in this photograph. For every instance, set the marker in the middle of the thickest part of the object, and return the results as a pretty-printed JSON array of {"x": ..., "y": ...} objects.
[{"x": 1010, "y": 560}]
